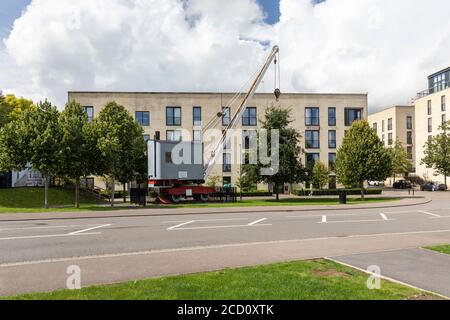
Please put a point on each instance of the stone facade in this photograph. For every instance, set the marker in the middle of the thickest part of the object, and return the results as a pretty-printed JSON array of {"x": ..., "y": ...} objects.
[{"x": 153, "y": 106}]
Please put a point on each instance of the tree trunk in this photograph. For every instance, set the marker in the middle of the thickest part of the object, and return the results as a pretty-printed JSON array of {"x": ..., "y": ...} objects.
[
  {"x": 113, "y": 190},
  {"x": 362, "y": 190},
  {"x": 46, "y": 182},
  {"x": 277, "y": 192},
  {"x": 124, "y": 193},
  {"x": 77, "y": 192}
]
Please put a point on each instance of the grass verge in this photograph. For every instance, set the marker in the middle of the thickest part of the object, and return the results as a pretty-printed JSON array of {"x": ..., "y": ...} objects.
[
  {"x": 319, "y": 279},
  {"x": 32, "y": 200},
  {"x": 282, "y": 202},
  {"x": 442, "y": 249}
]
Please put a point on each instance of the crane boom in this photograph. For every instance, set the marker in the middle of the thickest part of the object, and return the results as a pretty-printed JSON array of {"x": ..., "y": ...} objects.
[{"x": 241, "y": 109}]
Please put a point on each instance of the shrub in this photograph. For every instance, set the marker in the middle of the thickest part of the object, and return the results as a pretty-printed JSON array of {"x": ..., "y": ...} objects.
[{"x": 335, "y": 192}]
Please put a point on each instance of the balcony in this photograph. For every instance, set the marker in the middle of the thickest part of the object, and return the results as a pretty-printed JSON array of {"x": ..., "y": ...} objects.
[{"x": 440, "y": 87}]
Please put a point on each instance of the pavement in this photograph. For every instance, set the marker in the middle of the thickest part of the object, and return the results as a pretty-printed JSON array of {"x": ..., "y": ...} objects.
[
  {"x": 37, "y": 249},
  {"x": 418, "y": 267}
]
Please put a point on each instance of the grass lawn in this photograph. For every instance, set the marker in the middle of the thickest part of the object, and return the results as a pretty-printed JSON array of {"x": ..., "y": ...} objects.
[
  {"x": 442, "y": 249},
  {"x": 32, "y": 200},
  {"x": 282, "y": 202},
  {"x": 304, "y": 280}
]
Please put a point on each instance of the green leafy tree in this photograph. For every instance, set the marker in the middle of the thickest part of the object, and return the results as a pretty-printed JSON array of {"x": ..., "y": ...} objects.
[
  {"x": 213, "y": 181},
  {"x": 11, "y": 108},
  {"x": 320, "y": 174},
  {"x": 117, "y": 136},
  {"x": 437, "y": 152},
  {"x": 290, "y": 169},
  {"x": 400, "y": 162},
  {"x": 33, "y": 139},
  {"x": 78, "y": 146},
  {"x": 362, "y": 157}
]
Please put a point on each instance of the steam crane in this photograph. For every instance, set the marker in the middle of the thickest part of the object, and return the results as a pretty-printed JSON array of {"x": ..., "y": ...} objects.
[{"x": 176, "y": 181}]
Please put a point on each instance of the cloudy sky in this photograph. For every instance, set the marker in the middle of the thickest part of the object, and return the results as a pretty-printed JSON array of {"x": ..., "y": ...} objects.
[{"x": 383, "y": 47}]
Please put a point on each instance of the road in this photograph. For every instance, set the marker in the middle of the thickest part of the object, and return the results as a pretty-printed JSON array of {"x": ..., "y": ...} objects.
[{"x": 35, "y": 254}]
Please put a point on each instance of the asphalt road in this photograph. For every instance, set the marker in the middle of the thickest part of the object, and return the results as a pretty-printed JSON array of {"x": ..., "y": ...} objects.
[{"x": 35, "y": 254}]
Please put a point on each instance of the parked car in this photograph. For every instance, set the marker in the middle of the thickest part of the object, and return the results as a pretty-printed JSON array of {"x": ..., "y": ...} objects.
[
  {"x": 442, "y": 187},
  {"x": 402, "y": 184},
  {"x": 376, "y": 183},
  {"x": 430, "y": 186}
]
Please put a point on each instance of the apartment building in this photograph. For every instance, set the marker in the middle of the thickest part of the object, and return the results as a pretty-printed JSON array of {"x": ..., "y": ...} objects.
[
  {"x": 320, "y": 118},
  {"x": 431, "y": 111},
  {"x": 396, "y": 123}
]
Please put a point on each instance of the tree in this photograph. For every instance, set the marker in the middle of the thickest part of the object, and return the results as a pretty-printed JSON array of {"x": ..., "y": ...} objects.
[
  {"x": 320, "y": 174},
  {"x": 11, "y": 107},
  {"x": 290, "y": 168},
  {"x": 78, "y": 146},
  {"x": 400, "y": 161},
  {"x": 437, "y": 152},
  {"x": 213, "y": 181},
  {"x": 362, "y": 157},
  {"x": 117, "y": 137},
  {"x": 34, "y": 139}
]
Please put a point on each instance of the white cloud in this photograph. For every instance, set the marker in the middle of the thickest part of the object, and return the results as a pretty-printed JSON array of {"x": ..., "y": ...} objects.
[{"x": 382, "y": 47}]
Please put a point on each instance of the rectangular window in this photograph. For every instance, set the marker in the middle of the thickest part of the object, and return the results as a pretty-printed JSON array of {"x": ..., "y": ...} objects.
[
  {"x": 443, "y": 119},
  {"x": 173, "y": 135},
  {"x": 382, "y": 125},
  {"x": 409, "y": 150},
  {"x": 249, "y": 118},
  {"x": 312, "y": 117},
  {"x": 409, "y": 137},
  {"x": 430, "y": 124},
  {"x": 332, "y": 117},
  {"x": 226, "y": 162},
  {"x": 197, "y": 136},
  {"x": 311, "y": 159},
  {"x": 197, "y": 116},
  {"x": 173, "y": 116},
  {"x": 143, "y": 118},
  {"x": 390, "y": 141},
  {"x": 90, "y": 113},
  {"x": 375, "y": 127},
  {"x": 409, "y": 124},
  {"x": 390, "y": 124},
  {"x": 226, "y": 116},
  {"x": 352, "y": 115},
  {"x": 331, "y": 161},
  {"x": 332, "y": 139},
  {"x": 429, "y": 108},
  {"x": 247, "y": 136},
  {"x": 312, "y": 138},
  {"x": 443, "y": 106},
  {"x": 383, "y": 139}
]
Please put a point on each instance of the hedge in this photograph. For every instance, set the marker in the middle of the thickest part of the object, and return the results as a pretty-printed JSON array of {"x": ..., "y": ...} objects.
[
  {"x": 256, "y": 193},
  {"x": 335, "y": 192}
]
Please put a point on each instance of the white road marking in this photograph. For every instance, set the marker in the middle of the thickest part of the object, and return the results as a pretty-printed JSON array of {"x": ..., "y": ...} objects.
[
  {"x": 328, "y": 215},
  {"x": 431, "y": 214},
  {"x": 324, "y": 219},
  {"x": 46, "y": 227},
  {"x": 220, "y": 246},
  {"x": 221, "y": 227},
  {"x": 384, "y": 216},
  {"x": 358, "y": 221},
  {"x": 207, "y": 220},
  {"x": 257, "y": 221},
  {"x": 50, "y": 236},
  {"x": 89, "y": 229},
  {"x": 180, "y": 225}
]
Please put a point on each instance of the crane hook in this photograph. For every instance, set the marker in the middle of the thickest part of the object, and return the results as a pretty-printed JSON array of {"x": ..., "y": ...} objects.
[{"x": 277, "y": 94}]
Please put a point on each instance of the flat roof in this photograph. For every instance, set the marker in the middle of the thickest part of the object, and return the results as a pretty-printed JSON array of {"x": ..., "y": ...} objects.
[
  {"x": 393, "y": 107},
  {"x": 439, "y": 72},
  {"x": 209, "y": 93}
]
